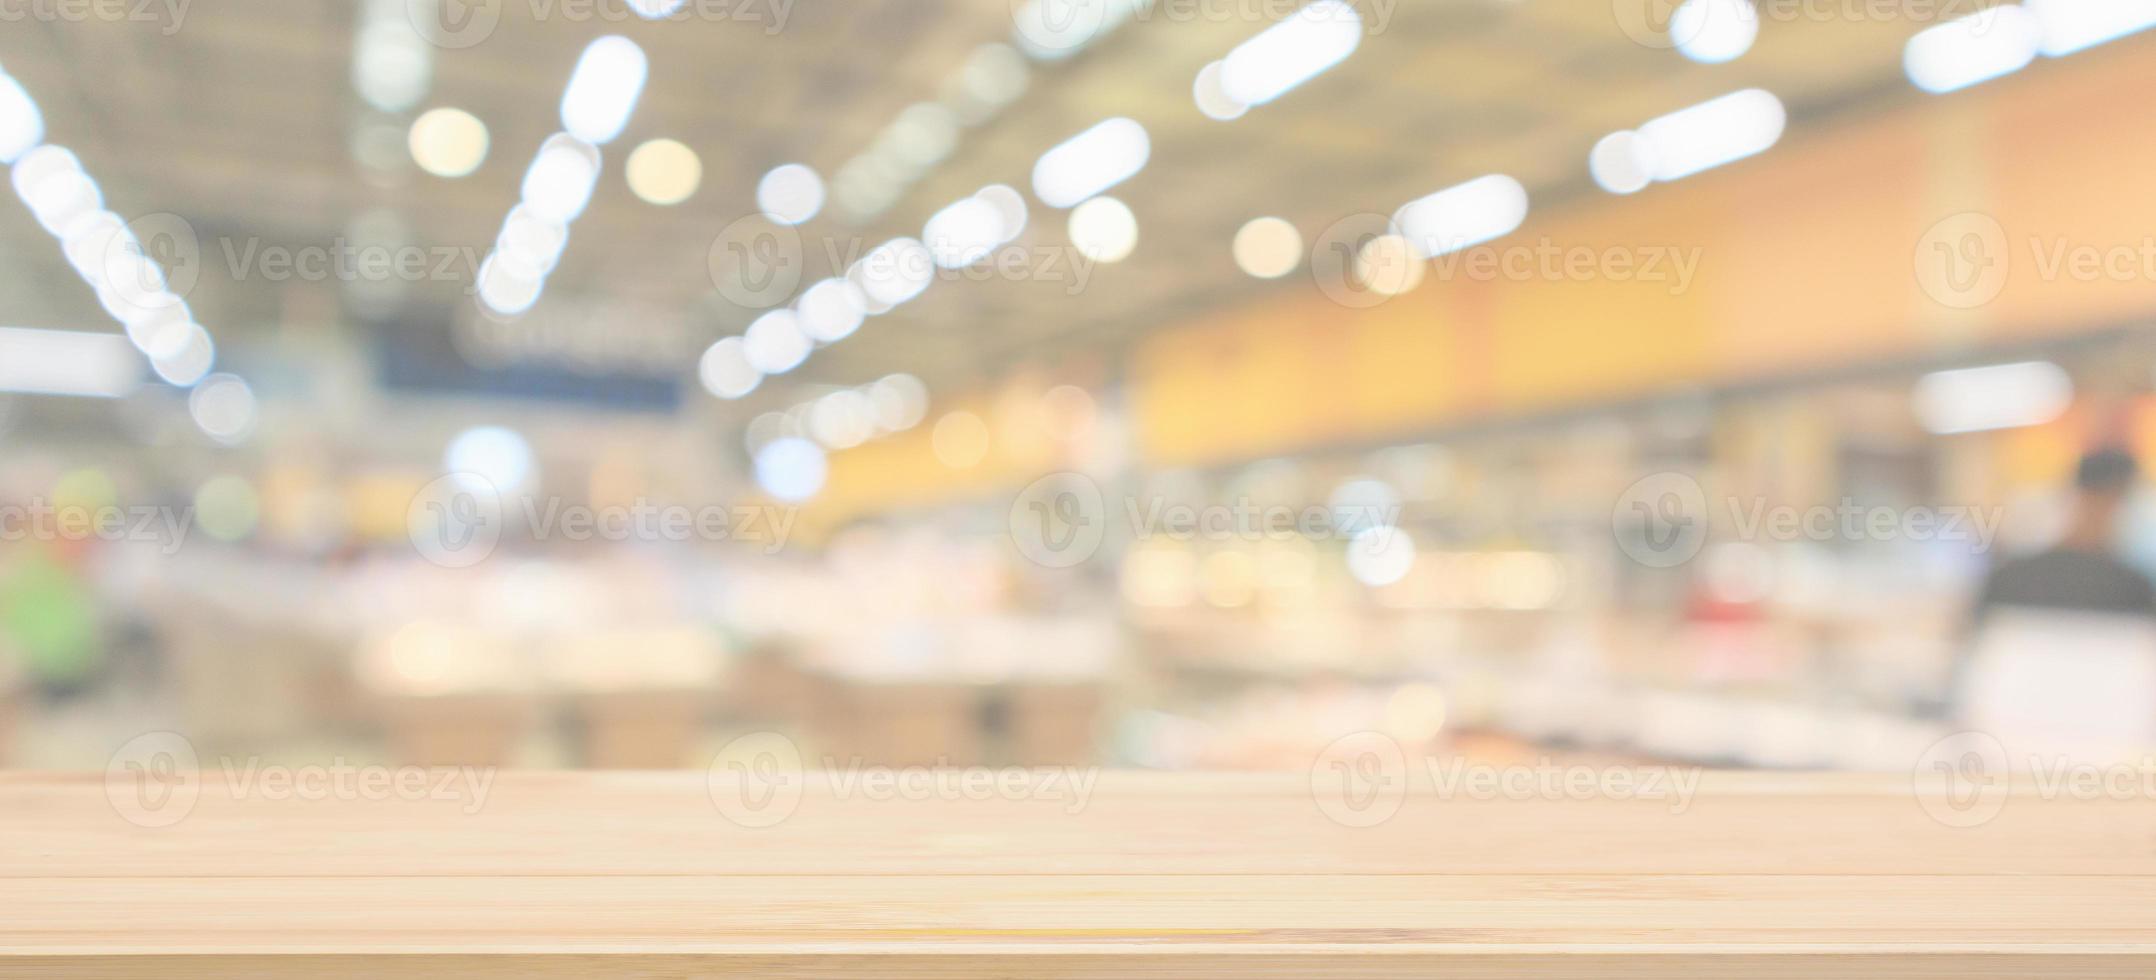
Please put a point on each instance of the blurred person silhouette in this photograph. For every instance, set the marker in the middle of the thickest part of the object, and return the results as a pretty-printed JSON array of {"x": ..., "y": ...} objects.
[
  {"x": 2060, "y": 654},
  {"x": 2084, "y": 570}
]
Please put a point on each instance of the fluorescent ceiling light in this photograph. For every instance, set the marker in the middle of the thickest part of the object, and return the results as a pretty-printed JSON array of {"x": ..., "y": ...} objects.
[
  {"x": 21, "y": 125},
  {"x": 65, "y": 362},
  {"x": 603, "y": 90},
  {"x": 2075, "y": 25},
  {"x": 1972, "y": 49},
  {"x": 562, "y": 176},
  {"x": 1715, "y": 133},
  {"x": 1475, "y": 212},
  {"x": 1291, "y": 52},
  {"x": 1091, "y": 162},
  {"x": 2003, "y": 396}
]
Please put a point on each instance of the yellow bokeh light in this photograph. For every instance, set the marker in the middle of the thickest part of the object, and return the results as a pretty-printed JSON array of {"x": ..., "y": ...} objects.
[
  {"x": 448, "y": 142},
  {"x": 665, "y": 172},
  {"x": 1268, "y": 248}
]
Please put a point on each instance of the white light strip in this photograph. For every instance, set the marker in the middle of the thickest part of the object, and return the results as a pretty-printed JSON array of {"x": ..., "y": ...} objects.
[
  {"x": 62, "y": 362},
  {"x": 2077, "y": 25},
  {"x": 2003, "y": 396},
  {"x": 1291, "y": 52},
  {"x": 596, "y": 105},
  {"x": 603, "y": 90},
  {"x": 100, "y": 246},
  {"x": 1091, "y": 162},
  {"x": 1475, "y": 212},
  {"x": 1977, "y": 48}
]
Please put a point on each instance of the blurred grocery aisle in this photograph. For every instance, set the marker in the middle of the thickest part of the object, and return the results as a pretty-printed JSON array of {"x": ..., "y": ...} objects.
[{"x": 1073, "y": 382}]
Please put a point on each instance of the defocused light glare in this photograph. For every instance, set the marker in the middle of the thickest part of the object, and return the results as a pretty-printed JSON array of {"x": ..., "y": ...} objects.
[
  {"x": 40, "y": 164},
  {"x": 1212, "y": 98},
  {"x": 1622, "y": 163},
  {"x": 21, "y": 125},
  {"x": 223, "y": 406},
  {"x": 1714, "y": 31},
  {"x": 922, "y": 136},
  {"x": 490, "y": 458},
  {"x": 842, "y": 419},
  {"x": 62, "y": 362},
  {"x": 448, "y": 142},
  {"x": 1091, "y": 162},
  {"x": 1415, "y": 713},
  {"x": 196, "y": 355},
  {"x": 1379, "y": 556},
  {"x": 790, "y": 194},
  {"x": 725, "y": 370},
  {"x": 664, "y": 172},
  {"x": 1010, "y": 209},
  {"x": 1977, "y": 48},
  {"x": 1104, "y": 230},
  {"x": 791, "y": 469},
  {"x": 831, "y": 310},
  {"x": 1051, "y": 30},
  {"x": 1481, "y": 210},
  {"x": 391, "y": 64},
  {"x": 561, "y": 179},
  {"x": 1268, "y": 248},
  {"x": 531, "y": 241},
  {"x": 960, "y": 440},
  {"x": 1388, "y": 266},
  {"x": 656, "y": 9},
  {"x": 774, "y": 344},
  {"x": 1715, "y": 133},
  {"x": 900, "y": 402},
  {"x": 2003, "y": 396},
  {"x": 963, "y": 233},
  {"x": 57, "y": 201},
  {"x": 895, "y": 272},
  {"x": 89, "y": 240},
  {"x": 1291, "y": 52},
  {"x": 995, "y": 74},
  {"x": 603, "y": 90},
  {"x": 2075, "y": 25},
  {"x": 507, "y": 286}
]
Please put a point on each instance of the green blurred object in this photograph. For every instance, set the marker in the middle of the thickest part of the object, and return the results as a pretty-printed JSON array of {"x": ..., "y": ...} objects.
[{"x": 47, "y": 615}]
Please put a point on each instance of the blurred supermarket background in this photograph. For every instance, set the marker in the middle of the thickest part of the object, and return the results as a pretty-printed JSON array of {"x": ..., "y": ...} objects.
[{"x": 1172, "y": 384}]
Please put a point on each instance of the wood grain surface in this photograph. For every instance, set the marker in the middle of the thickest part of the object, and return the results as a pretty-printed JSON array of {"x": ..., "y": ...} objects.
[{"x": 645, "y": 875}]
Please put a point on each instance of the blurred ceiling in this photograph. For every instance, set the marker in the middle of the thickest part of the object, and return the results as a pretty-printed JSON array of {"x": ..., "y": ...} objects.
[{"x": 243, "y": 121}]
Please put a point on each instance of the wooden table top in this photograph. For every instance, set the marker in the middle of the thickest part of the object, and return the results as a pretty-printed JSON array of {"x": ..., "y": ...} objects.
[{"x": 253, "y": 873}]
